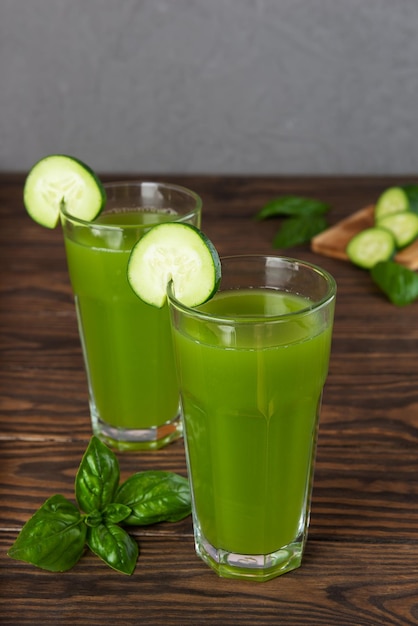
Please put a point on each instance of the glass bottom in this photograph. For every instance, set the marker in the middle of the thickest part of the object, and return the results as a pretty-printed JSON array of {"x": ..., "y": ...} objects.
[
  {"x": 257, "y": 567},
  {"x": 150, "y": 438}
]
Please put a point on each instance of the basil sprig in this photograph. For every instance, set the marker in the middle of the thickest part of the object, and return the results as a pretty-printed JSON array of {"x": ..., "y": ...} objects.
[
  {"x": 304, "y": 218},
  {"x": 399, "y": 283},
  {"x": 55, "y": 537}
]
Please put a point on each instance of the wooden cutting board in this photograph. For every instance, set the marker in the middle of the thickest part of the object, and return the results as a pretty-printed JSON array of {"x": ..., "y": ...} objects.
[{"x": 333, "y": 241}]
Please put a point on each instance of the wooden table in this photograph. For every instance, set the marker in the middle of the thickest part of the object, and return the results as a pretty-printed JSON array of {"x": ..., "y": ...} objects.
[{"x": 361, "y": 561}]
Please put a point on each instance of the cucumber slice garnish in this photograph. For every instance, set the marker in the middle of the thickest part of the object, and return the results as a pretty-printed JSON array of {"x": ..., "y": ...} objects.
[
  {"x": 177, "y": 252},
  {"x": 370, "y": 246},
  {"x": 403, "y": 226},
  {"x": 58, "y": 181}
]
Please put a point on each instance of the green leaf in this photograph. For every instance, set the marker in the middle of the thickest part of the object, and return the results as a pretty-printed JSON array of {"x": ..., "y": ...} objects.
[
  {"x": 97, "y": 478},
  {"x": 53, "y": 538},
  {"x": 113, "y": 513},
  {"x": 155, "y": 496},
  {"x": 411, "y": 191},
  {"x": 94, "y": 518},
  {"x": 399, "y": 283},
  {"x": 114, "y": 546},
  {"x": 298, "y": 230},
  {"x": 292, "y": 206},
  {"x": 116, "y": 513}
]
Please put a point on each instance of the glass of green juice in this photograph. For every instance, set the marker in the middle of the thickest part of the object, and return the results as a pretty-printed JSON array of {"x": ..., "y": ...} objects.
[
  {"x": 127, "y": 345},
  {"x": 252, "y": 364}
]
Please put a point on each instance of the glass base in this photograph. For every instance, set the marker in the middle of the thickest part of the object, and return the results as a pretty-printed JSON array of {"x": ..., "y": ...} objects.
[
  {"x": 258, "y": 567},
  {"x": 151, "y": 438}
]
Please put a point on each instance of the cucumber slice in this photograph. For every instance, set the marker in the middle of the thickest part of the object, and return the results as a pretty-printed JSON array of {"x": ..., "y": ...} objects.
[
  {"x": 403, "y": 226},
  {"x": 59, "y": 181},
  {"x": 392, "y": 200},
  {"x": 370, "y": 246},
  {"x": 177, "y": 252}
]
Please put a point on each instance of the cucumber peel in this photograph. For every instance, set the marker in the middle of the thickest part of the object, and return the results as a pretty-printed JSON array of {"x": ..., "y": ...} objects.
[
  {"x": 175, "y": 252},
  {"x": 57, "y": 182}
]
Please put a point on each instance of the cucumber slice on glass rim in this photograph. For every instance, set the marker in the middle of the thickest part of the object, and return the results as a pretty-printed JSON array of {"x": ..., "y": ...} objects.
[
  {"x": 58, "y": 181},
  {"x": 175, "y": 252}
]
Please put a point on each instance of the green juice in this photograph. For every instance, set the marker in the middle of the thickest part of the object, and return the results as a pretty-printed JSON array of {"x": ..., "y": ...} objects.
[
  {"x": 251, "y": 403},
  {"x": 127, "y": 344}
]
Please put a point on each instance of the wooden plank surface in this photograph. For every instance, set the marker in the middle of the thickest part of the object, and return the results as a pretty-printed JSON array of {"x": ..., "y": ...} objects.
[{"x": 361, "y": 562}]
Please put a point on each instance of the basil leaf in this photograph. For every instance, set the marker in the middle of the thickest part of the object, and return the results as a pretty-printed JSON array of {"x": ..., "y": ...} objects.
[
  {"x": 411, "y": 191},
  {"x": 114, "y": 546},
  {"x": 297, "y": 230},
  {"x": 155, "y": 496},
  {"x": 116, "y": 513},
  {"x": 97, "y": 478},
  {"x": 94, "y": 518},
  {"x": 292, "y": 206},
  {"x": 53, "y": 538},
  {"x": 113, "y": 513},
  {"x": 399, "y": 283}
]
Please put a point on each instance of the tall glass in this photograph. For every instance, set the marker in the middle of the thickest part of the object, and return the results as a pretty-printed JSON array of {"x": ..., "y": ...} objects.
[
  {"x": 252, "y": 363},
  {"x": 127, "y": 346}
]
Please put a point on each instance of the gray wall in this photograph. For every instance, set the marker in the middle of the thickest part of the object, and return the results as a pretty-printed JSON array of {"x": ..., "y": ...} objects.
[{"x": 211, "y": 86}]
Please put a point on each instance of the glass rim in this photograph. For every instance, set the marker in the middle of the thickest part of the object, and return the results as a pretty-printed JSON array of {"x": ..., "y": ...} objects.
[
  {"x": 136, "y": 183},
  {"x": 328, "y": 297}
]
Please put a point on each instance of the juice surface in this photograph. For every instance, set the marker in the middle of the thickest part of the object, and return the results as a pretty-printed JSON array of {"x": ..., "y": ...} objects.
[
  {"x": 127, "y": 343},
  {"x": 250, "y": 412}
]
